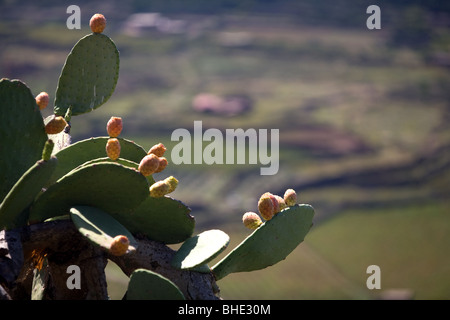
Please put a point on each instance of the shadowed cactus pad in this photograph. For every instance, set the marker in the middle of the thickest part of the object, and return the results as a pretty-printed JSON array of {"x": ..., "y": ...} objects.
[
  {"x": 22, "y": 133},
  {"x": 89, "y": 75},
  {"x": 100, "y": 228},
  {"x": 148, "y": 285},
  {"x": 272, "y": 242},
  {"x": 13, "y": 211},
  {"x": 161, "y": 219}
]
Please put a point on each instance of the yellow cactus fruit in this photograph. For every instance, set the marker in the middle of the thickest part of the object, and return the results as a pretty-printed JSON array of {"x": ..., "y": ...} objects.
[
  {"x": 159, "y": 189},
  {"x": 281, "y": 203},
  {"x": 55, "y": 125},
  {"x": 42, "y": 100},
  {"x": 119, "y": 245},
  {"x": 149, "y": 164},
  {"x": 162, "y": 164},
  {"x": 251, "y": 220},
  {"x": 290, "y": 197},
  {"x": 265, "y": 206},
  {"x": 114, "y": 127},
  {"x": 113, "y": 148},
  {"x": 158, "y": 150},
  {"x": 172, "y": 182},
  {"x": 97, "y": 23}
]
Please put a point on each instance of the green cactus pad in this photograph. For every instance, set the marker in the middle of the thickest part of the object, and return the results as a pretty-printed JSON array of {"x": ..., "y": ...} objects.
[
  {"x": 22, "y": 133},
  {"x": 86, "y": 150},
  {"x": 13, "y": 211},
  {"x": 161, "y": 219},
  {"x": 272, "y": 242},
  {"x": 147, "y": 285},
  {"x": 200, "y": 249},
  {"x": 107, "y": 186},
  {"x": 89, "y": 75},
  {"x": 99, "y": 227}
]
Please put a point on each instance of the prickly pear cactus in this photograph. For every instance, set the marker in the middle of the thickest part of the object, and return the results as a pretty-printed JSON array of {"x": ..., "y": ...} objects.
[{"x": 113, "y": 200}]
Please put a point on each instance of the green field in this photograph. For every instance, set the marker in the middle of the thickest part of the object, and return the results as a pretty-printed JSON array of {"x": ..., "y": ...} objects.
[{"x": 364, "y": 138}]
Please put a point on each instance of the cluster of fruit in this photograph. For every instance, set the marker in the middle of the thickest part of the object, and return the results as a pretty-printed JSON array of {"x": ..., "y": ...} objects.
[
  {"x": 153, "y": 162},
  {"x": 268, "y": 206}
]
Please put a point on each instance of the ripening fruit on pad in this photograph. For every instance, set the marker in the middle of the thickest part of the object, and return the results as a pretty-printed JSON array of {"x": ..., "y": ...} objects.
[
  {"x": 56, "y": 125},
  {"x": 42, "y": 100},
  {"x": 119, "y": 245},
  {"x": 251, "y": 220},
  {"x": 266, "y": 206},
  {"x": 158, "y": 150},
  {"x": 114, "y": 127},
  {"x": 149, "y": 164},
  {"x": 97, "y": 23},
  {"x": 113, "y": 148},
  {"x": 290, "y": 197},
  {"x": 272, "y": 242}
]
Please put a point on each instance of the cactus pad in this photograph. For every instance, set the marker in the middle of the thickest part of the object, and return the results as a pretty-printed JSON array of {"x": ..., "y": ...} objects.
[
  {"x": 272, "y": 242},
  {"x": 89, "y": 75},
  {"x": 200, "y": 249},
  {"x": 99, "y": 227},
  {"x": 161, "y": 219},
  {"x": 86, "y": 150},
  {"x": 147, "y": 285},
  {"x": 13, "y": 212},
  {"x": 22, "y": 133},
  {"x": 107, "y": 186}
]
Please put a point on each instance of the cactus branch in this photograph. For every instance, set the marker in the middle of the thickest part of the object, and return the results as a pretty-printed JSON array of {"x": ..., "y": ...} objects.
[{"x": 67, "y": 246}]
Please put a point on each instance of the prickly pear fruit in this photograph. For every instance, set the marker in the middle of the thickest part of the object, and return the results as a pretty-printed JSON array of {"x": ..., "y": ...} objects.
[
  {"x": 119, "y": 245},
  {"x": 159, "y": 189},
  {"x": 281, "y": 203},
  {"x": 266, "y": 206},
  {"x": 149, "y": 164},
  {"x": 172, "y": 182},
  {"x": 158, "y": 150},
  {"x": 162, "y": 164},
  {"x": 114, "y": 127},
  {"x": 251, "y": 220},
  {"x": 97, "y": 23},
  {"x": 113, "y": 148},
  {"x": 42, "y": 100},
  {"x": 290, "y": 197},
  {"x": 56, "y": 125}
]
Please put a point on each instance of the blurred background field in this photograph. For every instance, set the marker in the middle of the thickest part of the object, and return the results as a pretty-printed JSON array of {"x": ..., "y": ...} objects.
[{"x": 363, "y": 118}]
